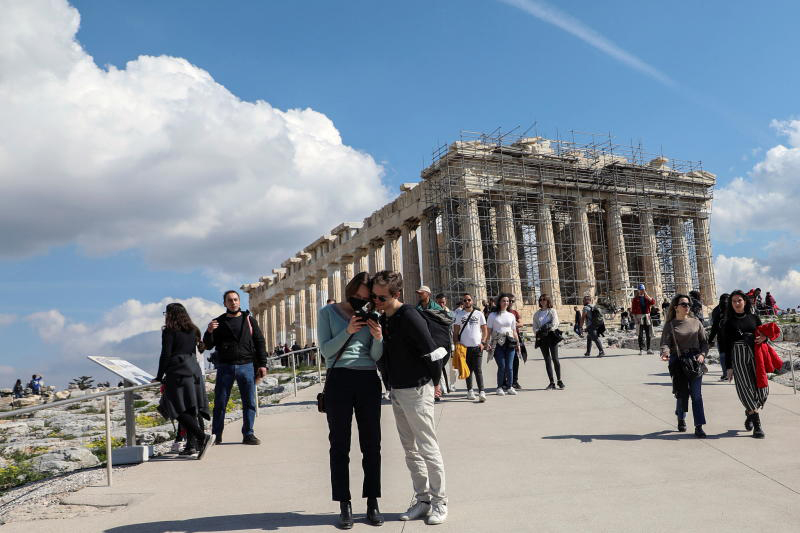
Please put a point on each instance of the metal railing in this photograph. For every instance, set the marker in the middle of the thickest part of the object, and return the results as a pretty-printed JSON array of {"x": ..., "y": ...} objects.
[{"x": 130, "y": 418}]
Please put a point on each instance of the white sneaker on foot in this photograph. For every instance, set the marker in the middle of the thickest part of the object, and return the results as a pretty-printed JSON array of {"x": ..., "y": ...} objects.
[
  {"x": 178, "y": 446},
  {"x": 481, "y": 396},
  {"x": 512, "y": 391},
  {"x": 438, "y": 514},
  {"x": 418, "y": 510},
  {"x": 500, "y": 391},
  {"x": 470, "y": 395}
]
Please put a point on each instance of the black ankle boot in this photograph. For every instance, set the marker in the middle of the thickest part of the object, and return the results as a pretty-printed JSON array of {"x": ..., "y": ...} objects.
[
  {"x": 699, "y": 433},
  {"x": 748, "y": 422},
  {"x": 758, "y": 433},
  {"x": 681, "y": 425},
  {"x": 346, "y": 516},
  {"x": 374, "y": 515}
]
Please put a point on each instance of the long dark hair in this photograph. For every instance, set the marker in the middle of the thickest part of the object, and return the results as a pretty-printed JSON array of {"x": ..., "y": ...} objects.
[
  {"x": 177, "y": 318},
  {"x": 748, "y": 305},
  {"x": 500, "y": 298},
  {"x": 674, "y": 303}
]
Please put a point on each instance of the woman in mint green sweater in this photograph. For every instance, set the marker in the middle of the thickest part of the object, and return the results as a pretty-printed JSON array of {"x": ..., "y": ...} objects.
[{"x": 351, "y": 347}]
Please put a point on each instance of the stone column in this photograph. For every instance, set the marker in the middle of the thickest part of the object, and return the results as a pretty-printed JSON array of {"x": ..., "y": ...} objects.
[
  {"x": 652, "y": 267},
  {"x": 680, "y": 256},
  {"x": 281, "y": 332},
  {"x": 391, "y": 248},
  {"x": 273, "y": 324},
  {"x": 346, "y": 265},
  {"x": 376, "y": 255},
  {"x": 311, "y": 310},
  {"x": 322, "y": 288},
  {"x": 474, "y": 270},
  {"x": 301, "y": 326},
  {"x": 548, "y": 261},
  {"x": 431, "y": 274},
  {"x": 507, "y": 255},
  {"x": 291, "y": 318},
  {"x": 362, "y": 260},
  {"x": 334, "y": 282},
  {"x": 583, "y": 251},
  {"x": 705, "y": 261},
  {"x": 617, "y": 260},
  {"x": 411, "y": 277}
]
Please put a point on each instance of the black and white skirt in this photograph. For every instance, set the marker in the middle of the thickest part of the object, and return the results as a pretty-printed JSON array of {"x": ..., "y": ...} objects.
[{"x": 744, "y": 376}]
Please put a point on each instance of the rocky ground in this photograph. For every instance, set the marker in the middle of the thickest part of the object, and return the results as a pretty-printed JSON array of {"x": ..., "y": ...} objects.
[{"x": 53, "y": 452}]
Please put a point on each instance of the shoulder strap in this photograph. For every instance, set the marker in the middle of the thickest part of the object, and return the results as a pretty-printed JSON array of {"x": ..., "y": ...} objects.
[
  {"x": 461, "y": 331},
  {"x": 338, "y": 355}
]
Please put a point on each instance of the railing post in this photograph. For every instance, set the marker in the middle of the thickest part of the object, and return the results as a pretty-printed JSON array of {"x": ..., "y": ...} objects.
[
  {"x": 109, "y": 465},
  {"x": 255, "y": 394},
  {"x": 130, "y": 417},
  {"x": 319, "y": 365},
  {"x": 294, "y": 373}
]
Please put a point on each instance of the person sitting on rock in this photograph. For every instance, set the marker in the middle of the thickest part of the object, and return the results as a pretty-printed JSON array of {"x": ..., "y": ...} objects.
[{"x": 18, "y": 389}]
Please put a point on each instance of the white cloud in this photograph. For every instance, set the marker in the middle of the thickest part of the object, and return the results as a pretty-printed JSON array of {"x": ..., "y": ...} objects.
[
  {"x": 568, "y": 23},
  {"x": 747, "y": 273},
  {"x": 159, "y": 157},
  {"x": 6, "y": 319},
  {"x": 131, "y": 330}
]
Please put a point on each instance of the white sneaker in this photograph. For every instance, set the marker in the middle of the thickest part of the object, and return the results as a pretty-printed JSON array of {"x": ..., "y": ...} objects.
[
  {"x": 512, "y": 391},
  {"x": 481, "y": 396},
  {"x": 418, "y": 510},
  {"x": 438, "y": 514},
  {"x": 453, "y": 388},
  {"x": 640, "y": 352},
  {"x": 649, "y": 352},
  {"x": 470, "y": 395},
  {"x": 177, "y": 446},
  {"x": 500, "y": 391}
]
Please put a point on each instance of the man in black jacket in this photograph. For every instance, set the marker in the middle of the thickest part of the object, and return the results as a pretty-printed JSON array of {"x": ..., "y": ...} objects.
[
  {"x": 412, "y": 364},
  {"x": 241, "y": 356}
]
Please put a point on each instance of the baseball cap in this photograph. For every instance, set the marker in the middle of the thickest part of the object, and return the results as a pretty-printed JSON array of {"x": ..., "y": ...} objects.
[
  {"x": 424, "y": 288},
  {"x": 641, "y": 286}
]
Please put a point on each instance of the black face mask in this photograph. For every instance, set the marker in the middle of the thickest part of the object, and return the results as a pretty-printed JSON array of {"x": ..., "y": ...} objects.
[{"x": 357, "y": 303}]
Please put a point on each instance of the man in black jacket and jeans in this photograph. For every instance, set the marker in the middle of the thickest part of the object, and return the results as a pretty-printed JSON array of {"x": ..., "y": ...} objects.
[
  {"x": 412, "y": 364},
  {"x": 241, "y": 356}
]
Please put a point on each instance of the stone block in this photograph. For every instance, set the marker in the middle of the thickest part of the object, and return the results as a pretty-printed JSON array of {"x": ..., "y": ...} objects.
[
  {"x": 129, "y": 455},
  {"x": 27, "y": 401},
  {"x": 62, "y": 395}
]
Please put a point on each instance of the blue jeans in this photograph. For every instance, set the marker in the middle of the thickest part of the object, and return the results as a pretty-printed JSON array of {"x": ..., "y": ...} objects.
[
  {"x": 504, "y": 356},
  {"x": 244, "y": 375},
  {"x": 695, "y": 392}
]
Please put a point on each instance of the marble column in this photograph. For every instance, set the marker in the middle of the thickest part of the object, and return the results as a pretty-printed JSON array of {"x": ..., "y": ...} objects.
[
  {"x": 362, "y": 260},
  {"x": 617, "y": 259},
  {"x": 705, "y": 261},
  {"x": 474, "y": 270},
  {"x": 652, "y": 266},
  {"x": 322, "y": 288},
  {"x": 548, "y": 261},
  {"x": 391, "y": 249},
  {"x": 301, "y": 326},
  {"x": 291, "y": 318},
  {"x": 507, "y": 251},
  {"x": 376, "y": 252},
  {"x": 334, "y": 282},
  {"x": 680, "y": 256},
  {"x": 273, "y": 324},
  {"x": 281, "y": 332},
  {"x": 346, "y": 265},
  {"x": 311, "y": 309},
  {"x": 411, "y": 277},
  {"x": 584, "y": 257},
  {"x": 431, "y": 275}
]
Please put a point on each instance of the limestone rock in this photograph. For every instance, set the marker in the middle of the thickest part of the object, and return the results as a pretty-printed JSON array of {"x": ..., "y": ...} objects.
[
  {"x": 27, "y": 401},
  {"x": 62, "y": 395},
  {"x": 6, "y": 392},
  {"x": 15, "y": 428},
  {"x": 77, "y": 393},
  {"x": 5, "y": 402},
  {"x": 65, "y": 460}
]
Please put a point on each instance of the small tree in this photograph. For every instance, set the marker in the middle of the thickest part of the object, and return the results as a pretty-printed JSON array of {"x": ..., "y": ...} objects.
[{"x": 83, "y": 382}]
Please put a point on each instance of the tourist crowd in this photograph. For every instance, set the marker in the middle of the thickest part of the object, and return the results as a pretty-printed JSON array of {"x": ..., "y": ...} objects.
[{"x": 374, "y": 341}]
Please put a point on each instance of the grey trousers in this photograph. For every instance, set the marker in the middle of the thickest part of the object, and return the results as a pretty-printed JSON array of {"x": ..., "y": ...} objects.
[{"x": 413, "y": 413}]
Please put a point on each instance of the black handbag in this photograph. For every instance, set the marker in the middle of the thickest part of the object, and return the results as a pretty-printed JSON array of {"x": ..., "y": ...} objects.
[
  {"x": 321, "y": 395},
  {"x": 689, "y": 364}
]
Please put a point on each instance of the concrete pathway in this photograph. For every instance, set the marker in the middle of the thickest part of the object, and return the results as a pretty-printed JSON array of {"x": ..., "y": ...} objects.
[{"x": 601, "y": 455}]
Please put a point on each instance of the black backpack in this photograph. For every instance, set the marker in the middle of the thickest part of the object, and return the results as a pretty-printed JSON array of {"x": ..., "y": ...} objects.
[
  {"x": 597, "y": 317},
  {"x": 440, "y": 326}
]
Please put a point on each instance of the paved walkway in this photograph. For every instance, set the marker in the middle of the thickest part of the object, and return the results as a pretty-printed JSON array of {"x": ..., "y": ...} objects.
[{"x": 601, "y": 455}]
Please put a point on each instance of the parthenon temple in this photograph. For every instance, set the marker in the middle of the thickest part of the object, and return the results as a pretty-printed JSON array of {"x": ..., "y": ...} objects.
[{"x": 567, "y": 218}]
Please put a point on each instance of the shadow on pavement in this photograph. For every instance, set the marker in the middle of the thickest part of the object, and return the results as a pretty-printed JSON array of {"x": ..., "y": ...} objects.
[
  {"x": 667, "y": 434},
  {"x": 255, "y": 521}
]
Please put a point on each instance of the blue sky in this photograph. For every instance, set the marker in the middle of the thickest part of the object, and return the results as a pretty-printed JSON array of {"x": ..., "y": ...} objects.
[{"x": 396, "y": 80}]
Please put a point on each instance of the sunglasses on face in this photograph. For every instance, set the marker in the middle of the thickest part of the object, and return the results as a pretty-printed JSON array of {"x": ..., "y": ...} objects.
[
  {"x": 383, "y": 299},
  {"x": 683, "y": 304},
  {"x": 467, "y": 299}
]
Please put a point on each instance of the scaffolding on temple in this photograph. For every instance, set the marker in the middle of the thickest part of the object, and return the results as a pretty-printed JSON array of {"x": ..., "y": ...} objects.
[{"x": 566, "y": 217}]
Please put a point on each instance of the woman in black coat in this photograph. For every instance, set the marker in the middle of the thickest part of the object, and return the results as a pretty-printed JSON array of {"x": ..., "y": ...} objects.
[{"x": 184, "y": 389}]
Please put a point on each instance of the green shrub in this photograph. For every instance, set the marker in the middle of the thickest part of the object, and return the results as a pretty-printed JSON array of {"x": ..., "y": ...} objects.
[
  {"x": 149, "y": 420},
  {"x": 98, "y": 447},
  {"x": 138, "y": 404},
  {"x": 18, "y": 474}
]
